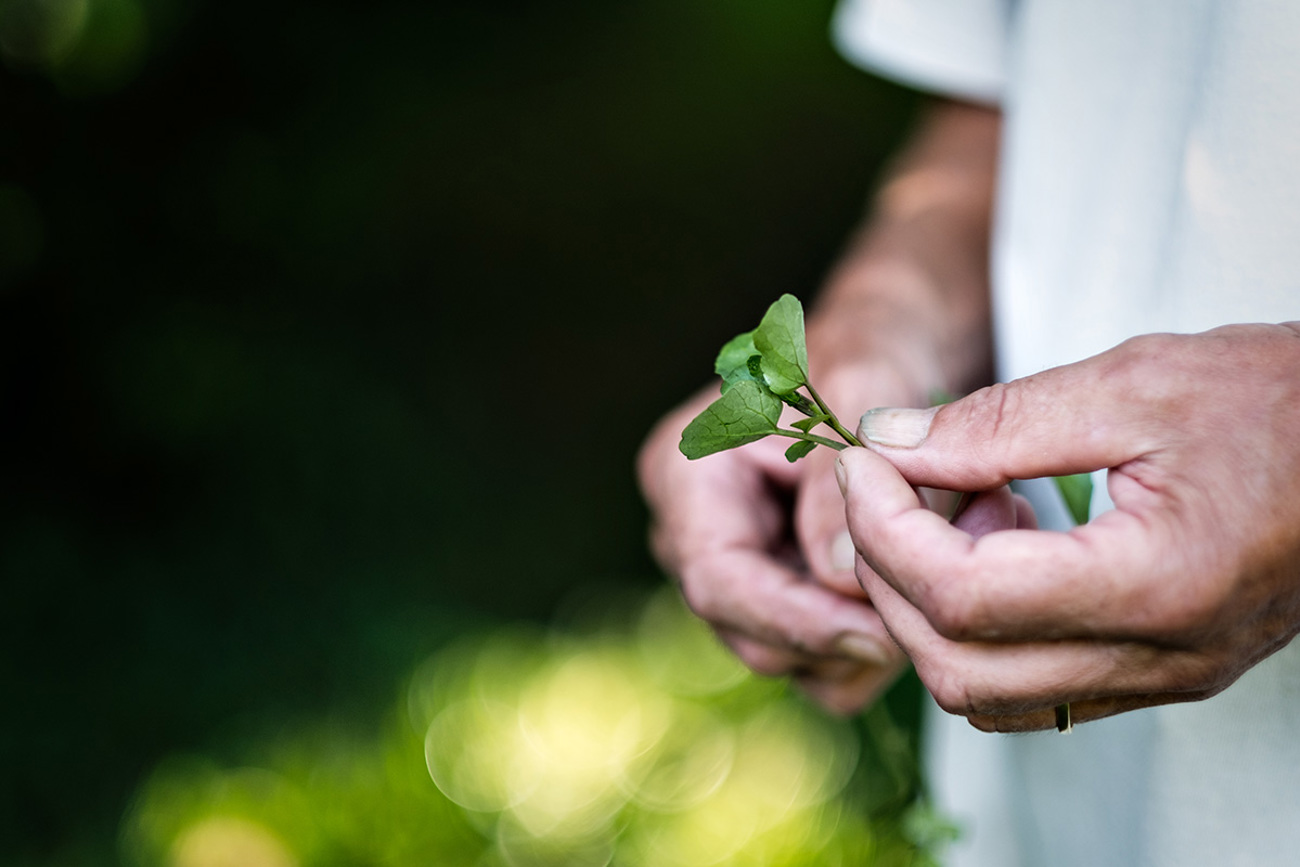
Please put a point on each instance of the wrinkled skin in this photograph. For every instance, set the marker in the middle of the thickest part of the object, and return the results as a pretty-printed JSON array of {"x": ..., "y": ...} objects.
[
  {"x": 1191, "y": 580},
  {"x": 729, "y": 528}
]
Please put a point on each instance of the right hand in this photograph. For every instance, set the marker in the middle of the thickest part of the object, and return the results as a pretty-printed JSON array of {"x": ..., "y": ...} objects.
[{"x": 761, "y": 549}]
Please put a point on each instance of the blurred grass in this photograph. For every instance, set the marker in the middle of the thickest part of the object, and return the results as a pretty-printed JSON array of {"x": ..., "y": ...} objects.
[{"x": 328, "y": 332}]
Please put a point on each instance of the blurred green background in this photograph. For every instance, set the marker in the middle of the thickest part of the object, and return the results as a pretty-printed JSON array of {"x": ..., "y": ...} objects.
[{"x": 328, "y": 332}]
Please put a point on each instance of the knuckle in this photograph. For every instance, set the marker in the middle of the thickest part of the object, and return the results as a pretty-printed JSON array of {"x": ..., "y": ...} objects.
[
  {"x": 993, "y": 408},
  {"x": 1135, "y": 356},
  {"x": 950, "y": 620},
  {"x": 835, "y": 698},
  {"x": 949, "y": 691},
  {"x": 663, "y": 547},
  {"x": 763, "y": 662},
  {"x": 987, "y": 723},
  {"x": 699, "y": 595},
  {"x": 999, "y": 408},
  {"x": 1185, "y": 620},
  {"x": 951, "y": 612},
  {"x": 1204, "y": 673},
  {"x": 994, "y": 411},
  {"x": 1153, "y": 369}
]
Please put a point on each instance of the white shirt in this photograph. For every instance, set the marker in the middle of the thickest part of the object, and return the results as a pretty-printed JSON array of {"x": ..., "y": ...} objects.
[{"x": 1150, "y": 181}]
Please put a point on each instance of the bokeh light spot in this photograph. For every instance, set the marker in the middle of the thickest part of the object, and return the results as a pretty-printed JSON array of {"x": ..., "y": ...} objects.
[
  {"x": 230, "y": 841},
  {"x": 40, "y": 33},
  {"x": 110, "y": 49},
  {"x": 688, "y": 764},
  {"x": 680, "y": 652},
  {"x": 471, "y": 751},
  {"x": 544, "y": 750}
]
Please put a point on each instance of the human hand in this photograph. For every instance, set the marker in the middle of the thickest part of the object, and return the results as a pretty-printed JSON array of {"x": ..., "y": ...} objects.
[
  {"x": 1191, "y": 580},
  {"x": 761, "y": 550}
]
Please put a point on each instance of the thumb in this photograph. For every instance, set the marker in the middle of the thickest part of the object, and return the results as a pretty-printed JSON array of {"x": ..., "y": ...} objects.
[
  {"x": 1070, "y": 419},
  {"x": 821, "y": 528}
]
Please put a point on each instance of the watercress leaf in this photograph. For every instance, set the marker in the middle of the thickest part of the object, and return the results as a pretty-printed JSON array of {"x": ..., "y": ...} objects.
[
  {"x": 799, "y": 449},
  {"x": 779, "y": 338},
  {"x": 1076, "y": 490},
  {"x": 745, "y": 414},
  {"x": 807, "y": 424},
  {"x": 732, "y": 363}
]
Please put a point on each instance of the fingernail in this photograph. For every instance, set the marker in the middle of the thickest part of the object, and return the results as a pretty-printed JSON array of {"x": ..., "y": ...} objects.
[
  {"x": 842, "y": 477},
  {"x": 863, "y": 648},
  {"x": 842, "y": 552},
  {"x": 901, "y": 428}
]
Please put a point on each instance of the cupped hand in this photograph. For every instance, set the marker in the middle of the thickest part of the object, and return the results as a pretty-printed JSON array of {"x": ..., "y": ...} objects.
[
  {"x": 1191, "y": 580},
  {"x": 761, "y": 550}
]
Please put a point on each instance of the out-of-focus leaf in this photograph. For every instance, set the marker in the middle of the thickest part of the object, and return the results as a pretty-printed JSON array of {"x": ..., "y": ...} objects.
[
  {"x": 1076, "y": 490},
  {"x": 799, "y": 449}
]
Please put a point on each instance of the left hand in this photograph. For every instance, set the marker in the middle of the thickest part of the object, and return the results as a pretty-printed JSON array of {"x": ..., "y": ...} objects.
[{"x": 1190, "y": 581}]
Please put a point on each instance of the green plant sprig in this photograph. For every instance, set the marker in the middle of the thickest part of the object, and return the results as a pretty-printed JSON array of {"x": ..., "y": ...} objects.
[{"x": 762, "y": 371}]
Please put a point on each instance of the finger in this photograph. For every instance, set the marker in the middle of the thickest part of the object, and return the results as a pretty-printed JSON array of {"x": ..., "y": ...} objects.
[
  {"x": 747, "y": 592},
  {"x": 1006, "y": 680},
  {"x": 1141, "y": 399},
  {"x": 820, "y": 526},
  {"x": 1070, "y": 419},
  {"x": 1013, "y": 584},
  {"x": 1026, "y": 518},
  {"x": 1080, "y": 712},
  {"x": 850, "y": 692},
  {"x": 989, "y": 511},
  {"x": 723, "y": 531},
  {"x": 721, "y": 502},
  {"x": 764, "y": 659},
  {"x": 840, "y": 685}
]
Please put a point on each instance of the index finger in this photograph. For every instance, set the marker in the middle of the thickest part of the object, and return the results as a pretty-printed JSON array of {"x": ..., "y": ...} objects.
[{"x": 1097, "y": 581}]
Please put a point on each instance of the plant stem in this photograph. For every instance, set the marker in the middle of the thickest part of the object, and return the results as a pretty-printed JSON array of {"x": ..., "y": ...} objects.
[
  {"x": 808, "y": 437},
  {"x": 799, "y": 402},
  {"x": 831, "y": 419}
]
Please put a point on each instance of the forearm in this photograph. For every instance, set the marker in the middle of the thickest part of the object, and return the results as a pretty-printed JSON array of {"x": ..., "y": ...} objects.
[{"x": 912, "y": 289}]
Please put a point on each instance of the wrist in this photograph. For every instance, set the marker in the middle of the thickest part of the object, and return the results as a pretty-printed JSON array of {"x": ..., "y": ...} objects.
[{"x": 881, "y": 349}]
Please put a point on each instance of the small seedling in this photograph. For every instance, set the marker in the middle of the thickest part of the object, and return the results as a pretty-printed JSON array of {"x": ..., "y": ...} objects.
[{"x": 763, "y": 371}]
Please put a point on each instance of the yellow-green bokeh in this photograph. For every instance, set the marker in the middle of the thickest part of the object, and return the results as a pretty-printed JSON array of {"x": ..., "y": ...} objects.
[{"x": 536, "y": 749}]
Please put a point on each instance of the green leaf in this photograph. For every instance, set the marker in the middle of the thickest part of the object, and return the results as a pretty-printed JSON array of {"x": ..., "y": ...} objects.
[
  {"x": 733, "y": 359},
  {"x": 1076, "y": 490},
  {"x": 807, "y": 424},
  {"x": 799, "y": 449},
  {"x": 745, "y": 414},
  {"x": 779, "y": 338}
]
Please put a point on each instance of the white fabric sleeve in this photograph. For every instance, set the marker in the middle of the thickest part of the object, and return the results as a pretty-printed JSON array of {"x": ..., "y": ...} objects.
[{"x": 955, "y": 48}]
